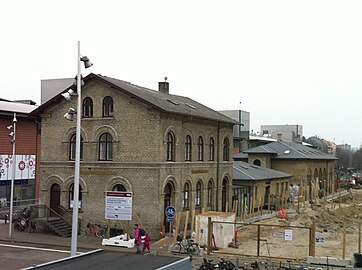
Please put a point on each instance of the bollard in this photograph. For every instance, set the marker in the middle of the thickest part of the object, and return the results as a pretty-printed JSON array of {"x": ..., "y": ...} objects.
[
  {"x": 161, "y": 232},
  {"x": 236, "y": 238}
]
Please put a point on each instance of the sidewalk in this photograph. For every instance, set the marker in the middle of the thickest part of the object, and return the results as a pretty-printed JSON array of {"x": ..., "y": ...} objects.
[
  {"x": 91, "y": 242},
  {"x": 46, "y": 237}
]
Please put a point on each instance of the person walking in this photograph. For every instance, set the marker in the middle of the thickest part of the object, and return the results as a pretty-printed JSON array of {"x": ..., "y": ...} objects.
[
  {"x": 147, "y": 243},
  {"x": 137, "y": 238}
]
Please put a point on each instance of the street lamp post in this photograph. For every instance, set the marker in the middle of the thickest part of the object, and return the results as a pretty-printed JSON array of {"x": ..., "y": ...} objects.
[
  {"x": 87, "y": 64},
  {"x": 12, "y": 134}
]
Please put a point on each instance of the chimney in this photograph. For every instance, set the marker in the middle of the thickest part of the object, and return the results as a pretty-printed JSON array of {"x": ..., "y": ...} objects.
[
  {"x": 164, "y": 86},
  {"x": 279, "y": 136}
]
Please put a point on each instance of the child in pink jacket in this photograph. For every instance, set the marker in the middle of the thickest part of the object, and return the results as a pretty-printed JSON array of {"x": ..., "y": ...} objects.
[{"x": 147, "y": 244}]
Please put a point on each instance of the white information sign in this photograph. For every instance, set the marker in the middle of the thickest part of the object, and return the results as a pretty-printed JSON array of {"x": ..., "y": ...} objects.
[
  {"x": 118, "y": 205},
  {"x": 288, "y": 235}
]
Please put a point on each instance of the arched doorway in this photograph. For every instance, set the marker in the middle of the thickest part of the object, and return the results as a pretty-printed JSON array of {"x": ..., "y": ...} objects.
[
  {"x": 55, "y": 198},
  {"x": 224, "y": 194},
  {"x": 168, "y": 201}
]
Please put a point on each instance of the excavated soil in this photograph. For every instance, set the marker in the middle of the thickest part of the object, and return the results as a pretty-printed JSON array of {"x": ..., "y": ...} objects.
[{"x": 337, "y": 231}]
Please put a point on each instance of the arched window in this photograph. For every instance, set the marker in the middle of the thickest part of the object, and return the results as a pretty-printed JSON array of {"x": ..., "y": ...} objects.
[
  {"x": 200, "y": 149},
  {"x": 72, "y": 147},
  {"x": 211, "y": 150},
  {"x": 119, "y": 187},
  {"x": 198, "y": 194},
  {"x": 226, "y": 150},
  {"x": 188, "y": 144},
  {"x": 87, "y": 108},
  {"x": 106, "y": 147},
  {"x": 257, "y": 162},
  {"x": 186, "y": 196},
  {"x": 71, "y": 197},
  {"x": 210, "y": 188},
  {"x": 107, "y": 107},
  {"x": 170, "y": 147}
]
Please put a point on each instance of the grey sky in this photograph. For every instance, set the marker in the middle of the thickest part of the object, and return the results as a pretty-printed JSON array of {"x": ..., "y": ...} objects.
[{"x": 286, "y": 62}]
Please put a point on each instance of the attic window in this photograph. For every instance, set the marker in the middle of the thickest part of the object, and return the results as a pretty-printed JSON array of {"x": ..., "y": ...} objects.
[
  {"x": 287, "y": 151},
  {"x": 189, "y": 105},
  {"x": 173, "y": 102}
]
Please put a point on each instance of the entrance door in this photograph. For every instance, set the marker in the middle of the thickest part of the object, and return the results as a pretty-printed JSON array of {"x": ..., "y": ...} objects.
[
  {"x": 167, "y": 202},
  {"x": 266, "y": 197},
  {"x": 55, "y": 198},
  {"x": 224, "y": 195}
]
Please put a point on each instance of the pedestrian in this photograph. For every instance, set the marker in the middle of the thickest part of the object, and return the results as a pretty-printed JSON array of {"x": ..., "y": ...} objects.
[
  {"x": 137, "y": 238},
  {"x": 147, "y": 243}
]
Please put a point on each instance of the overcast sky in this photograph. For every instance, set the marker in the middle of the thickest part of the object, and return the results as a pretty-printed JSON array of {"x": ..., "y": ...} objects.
[{"x": 286, "y": 62}]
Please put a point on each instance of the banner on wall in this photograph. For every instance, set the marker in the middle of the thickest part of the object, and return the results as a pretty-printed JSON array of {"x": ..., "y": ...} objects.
[{"x": 25, "y": 167}]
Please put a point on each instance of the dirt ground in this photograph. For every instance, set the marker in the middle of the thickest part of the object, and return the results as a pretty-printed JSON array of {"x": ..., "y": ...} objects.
[{"x": 279, "y": 240}]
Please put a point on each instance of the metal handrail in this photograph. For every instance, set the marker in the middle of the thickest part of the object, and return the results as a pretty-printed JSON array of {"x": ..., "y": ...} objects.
[
  {"x": 43, "y": 211},
  {"x": 66, "y": 214}
]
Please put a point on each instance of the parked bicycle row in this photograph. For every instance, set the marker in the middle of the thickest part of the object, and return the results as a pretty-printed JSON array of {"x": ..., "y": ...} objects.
[{"x": 226, "y": 264}]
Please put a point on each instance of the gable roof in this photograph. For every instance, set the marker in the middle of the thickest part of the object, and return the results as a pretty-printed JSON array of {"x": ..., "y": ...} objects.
[
  {"x": 163, "y": 102},
  {"x": 289, "y": 150},
  {"x": 245, "y": 171}
]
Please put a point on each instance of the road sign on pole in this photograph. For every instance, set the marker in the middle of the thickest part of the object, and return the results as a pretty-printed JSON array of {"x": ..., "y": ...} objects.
[{"x": 170, "y": 213}]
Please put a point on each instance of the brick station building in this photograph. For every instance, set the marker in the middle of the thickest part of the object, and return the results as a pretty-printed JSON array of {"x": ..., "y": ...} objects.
[{"x": 165, "y": 149}]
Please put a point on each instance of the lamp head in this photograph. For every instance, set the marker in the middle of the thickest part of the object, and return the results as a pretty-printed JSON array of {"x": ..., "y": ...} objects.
[
  {"x": 70, "y": 114},
  {"x": 86, "y": 61},
  {"x": 68, "y": 95},
  {"x": 76, "y": 81},
  {"x": 11, "y": 134},
  {"x": 10, "y": 127}
]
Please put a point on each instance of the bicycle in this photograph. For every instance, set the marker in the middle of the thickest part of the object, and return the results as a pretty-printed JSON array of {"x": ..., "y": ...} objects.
[
  {"x": 95, "y": 229},
  {"x": 226, "y": 264},
  {"x": 185, "y": 246}
]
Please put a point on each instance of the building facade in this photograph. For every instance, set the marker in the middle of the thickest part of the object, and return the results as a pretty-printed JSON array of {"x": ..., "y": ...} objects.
[
  {"x": 27, "y": 152},
  {"x": 312, "y": 169},
  {"x": 241, "y": 130},
  {"x": 165, "y": 149},
  {"x": 290, "y": 133}
]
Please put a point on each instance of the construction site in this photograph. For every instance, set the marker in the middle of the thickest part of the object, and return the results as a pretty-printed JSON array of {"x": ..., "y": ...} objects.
[{"x": 325, "y": 232}]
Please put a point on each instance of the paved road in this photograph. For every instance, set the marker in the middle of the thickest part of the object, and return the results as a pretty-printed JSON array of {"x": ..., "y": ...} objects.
[{"x": 18, "y": 257}]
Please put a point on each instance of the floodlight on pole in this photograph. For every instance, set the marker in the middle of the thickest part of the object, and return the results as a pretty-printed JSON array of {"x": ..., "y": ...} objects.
[
  {"x": 87, "y": 64},
  {"x": 13, "y": 141},
  {"x": 68, "y": 95},
  {"x": 70, "y": 114}
]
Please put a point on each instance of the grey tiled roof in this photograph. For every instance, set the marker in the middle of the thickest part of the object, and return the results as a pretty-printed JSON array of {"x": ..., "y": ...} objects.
[
  {"x": 246, "y": 171},
  {"x": 167, "y": 102},
  {"x": 289, "y": 150},
  {"x": 161, "y": 101}
]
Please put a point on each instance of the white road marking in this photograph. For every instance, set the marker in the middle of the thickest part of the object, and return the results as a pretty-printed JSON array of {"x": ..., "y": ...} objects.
[{"x": 35, "y": 248}]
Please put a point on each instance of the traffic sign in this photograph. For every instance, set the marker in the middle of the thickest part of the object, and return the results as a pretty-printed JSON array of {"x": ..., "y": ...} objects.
[{"x": 170, "y": 213}]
